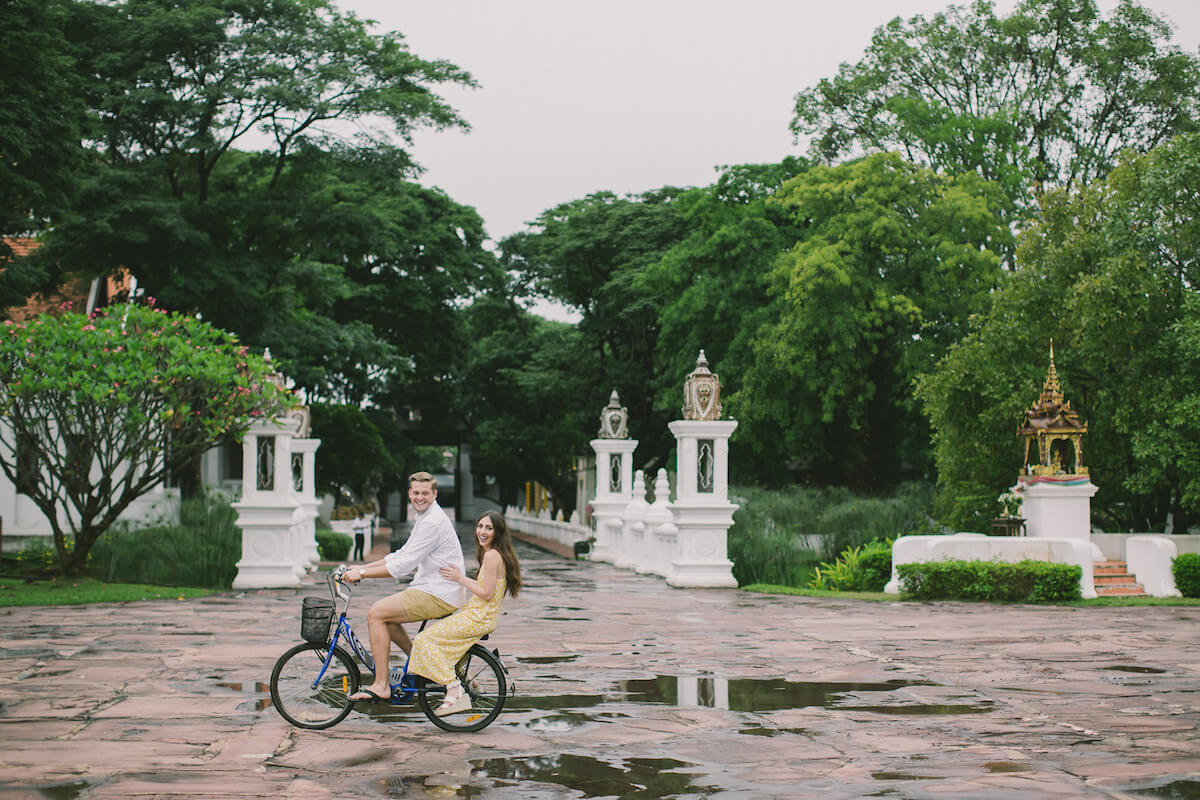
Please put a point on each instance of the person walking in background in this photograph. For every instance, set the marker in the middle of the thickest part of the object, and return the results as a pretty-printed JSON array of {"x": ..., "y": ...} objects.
[
  {"x": 437, "y": 649},
  {"x": 360, "y": 535},
  {"x": 432, "y": 546}
]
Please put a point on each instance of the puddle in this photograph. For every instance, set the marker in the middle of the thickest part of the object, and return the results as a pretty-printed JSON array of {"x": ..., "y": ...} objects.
[
  {"x": 58, "y": 791},
  {"x": 624, "y": 779},
  {"x": 1005, "y": 766},
  {"x": 762, "y": 730},
  {"x": 904, "y": 776},
  {"x": 1178, "y": 790},
  {"x": 546, "y": 659},
  {"x": 920, "y": 709},
  {"x": 1139, "y": 670},
  {"x": 774, "y": 694},
  {"x": 258, "y": 689}
]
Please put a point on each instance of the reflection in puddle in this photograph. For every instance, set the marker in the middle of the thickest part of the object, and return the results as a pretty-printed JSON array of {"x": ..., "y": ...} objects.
[
  {"x": 1179, "y": 790},
  {"x": 546, "y": 659},
  {"x": 904, "y": 776},
  {"x": 1005, "y": 766},
  {"x": 772, "y": 694},
  {"x": 1132, "y": 668},
  {"x": 624, "y": 778},
  {"x": 761, "y": 730},
  {"x": 58, "y": 791}
]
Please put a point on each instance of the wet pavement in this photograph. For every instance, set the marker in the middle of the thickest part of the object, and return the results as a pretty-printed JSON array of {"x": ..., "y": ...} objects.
[{"x": 626, "y": 688}]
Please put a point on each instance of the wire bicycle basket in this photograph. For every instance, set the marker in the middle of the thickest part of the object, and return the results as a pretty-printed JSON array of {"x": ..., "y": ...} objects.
[{"x": 316, "y": 615}]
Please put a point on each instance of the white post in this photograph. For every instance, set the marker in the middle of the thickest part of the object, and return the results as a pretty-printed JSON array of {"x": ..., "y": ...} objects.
[
  {"x": 614, "y": 491},
  {"x": 660, "y": 529},
  {"x": 268, "y": 515},
  {"x": 702, "y": 509}
]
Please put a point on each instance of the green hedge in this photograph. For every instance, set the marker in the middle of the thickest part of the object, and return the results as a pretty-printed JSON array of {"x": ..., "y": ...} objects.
[
  {"x": 1186, "y": 569},
  {"x": 333, "y": 546},
  {"x": 995, "y": 581}
]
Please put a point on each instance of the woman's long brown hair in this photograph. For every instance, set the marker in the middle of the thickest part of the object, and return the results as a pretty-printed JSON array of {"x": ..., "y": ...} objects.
[{"x": 502, "y": 544}]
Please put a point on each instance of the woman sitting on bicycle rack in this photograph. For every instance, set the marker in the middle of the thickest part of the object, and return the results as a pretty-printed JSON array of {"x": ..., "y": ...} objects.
[{"x": 437, "y": 649}]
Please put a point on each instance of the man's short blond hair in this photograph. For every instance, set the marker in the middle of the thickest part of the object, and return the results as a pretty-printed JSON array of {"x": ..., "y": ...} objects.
[{"x": 423, "y": 477}]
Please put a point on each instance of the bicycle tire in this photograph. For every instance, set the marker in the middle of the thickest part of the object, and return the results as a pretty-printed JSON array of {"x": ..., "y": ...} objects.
[
  {"x": 300, "y": 702},
  {"x": 482, "y": 675}
]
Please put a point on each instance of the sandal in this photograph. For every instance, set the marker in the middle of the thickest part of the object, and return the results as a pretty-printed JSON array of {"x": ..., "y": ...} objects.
[{"x": 455, "y": 706}]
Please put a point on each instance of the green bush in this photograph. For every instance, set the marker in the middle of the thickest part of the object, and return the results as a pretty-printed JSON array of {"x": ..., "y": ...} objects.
[
  {"x": 1186, "y": 569},
  {"x": 857, "y": 569},
  {"x": 767, "y": 541},
  {"x": 994, "y": 581},
  {"x": 203, "y": 550},
  {"x": 333, "y": 546}
]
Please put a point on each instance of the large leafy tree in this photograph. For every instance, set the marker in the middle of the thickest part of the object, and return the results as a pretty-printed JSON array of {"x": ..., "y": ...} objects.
[
  {"x": 891, "y": 262},
  {"x": 100, "y": 410},
  {"x": 41, "y": 115},
  {"x": 590, "y": 254},
  {"x": 1109, "y": 274},
  {"x": 527, "y": 398},
  {"x": 1046, "y": 97},
  {"x": 250, "y": 165},
  {"x": 711, "y": 288}
]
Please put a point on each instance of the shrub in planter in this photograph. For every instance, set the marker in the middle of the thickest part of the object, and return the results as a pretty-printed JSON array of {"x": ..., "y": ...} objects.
[
  {"x": 333, "y": 546},
  {"x": 1186, "y": 569}
]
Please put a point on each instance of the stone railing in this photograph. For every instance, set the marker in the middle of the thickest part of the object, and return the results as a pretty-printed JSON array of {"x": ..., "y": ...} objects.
[{"x": 543, "y": 526}]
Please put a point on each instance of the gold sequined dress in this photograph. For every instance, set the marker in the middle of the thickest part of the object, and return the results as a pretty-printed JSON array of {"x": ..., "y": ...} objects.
[{"x": 436, "y": 650}]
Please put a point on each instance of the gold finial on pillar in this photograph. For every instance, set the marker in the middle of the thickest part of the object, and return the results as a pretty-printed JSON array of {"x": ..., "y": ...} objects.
[{"x": 702, "y": 393}]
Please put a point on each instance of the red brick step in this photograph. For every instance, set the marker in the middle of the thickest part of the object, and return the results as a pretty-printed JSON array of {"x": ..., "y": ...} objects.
[{"x": 1112, "y": 579}]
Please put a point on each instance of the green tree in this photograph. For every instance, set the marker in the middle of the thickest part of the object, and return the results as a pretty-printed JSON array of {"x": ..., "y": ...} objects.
[
  {"x": 892, "y": 261},
  {"x": 101, "y": 410},
  {"x": 41, "y": 115},
  {"x": 526, "y": 398},
  {"x": 711, "y": 288},
  {"x": 1109, "y": 274},
  {"x": 1046, "y": 97},
  {"x": 317, "y": 244},
  {"x": 590, "y": 254}
]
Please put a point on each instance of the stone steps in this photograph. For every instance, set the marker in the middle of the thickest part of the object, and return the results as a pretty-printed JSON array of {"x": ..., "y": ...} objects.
[{"x": 1112, "y": 579}]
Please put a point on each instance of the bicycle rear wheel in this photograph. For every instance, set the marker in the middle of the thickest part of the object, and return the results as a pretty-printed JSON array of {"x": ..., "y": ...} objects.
[
  {"x": 303, "y": 700},
  {"x": 482, "y": 675}
]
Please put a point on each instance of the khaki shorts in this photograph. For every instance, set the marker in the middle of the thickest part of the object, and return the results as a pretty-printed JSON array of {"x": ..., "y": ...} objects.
[{"x": 420, "y": 605}]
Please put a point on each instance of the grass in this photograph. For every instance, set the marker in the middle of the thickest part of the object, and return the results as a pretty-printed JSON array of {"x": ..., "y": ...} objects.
[
  {"x": 767, "y": 588},
  {"x": 77, "y": 591}
]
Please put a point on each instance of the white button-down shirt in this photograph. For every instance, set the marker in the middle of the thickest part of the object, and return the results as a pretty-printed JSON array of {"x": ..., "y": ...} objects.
[{"x": 432, "y": 544}]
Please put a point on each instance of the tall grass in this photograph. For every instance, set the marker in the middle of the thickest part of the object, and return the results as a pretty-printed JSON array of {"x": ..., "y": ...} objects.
[
  {"x": 778, "y": 536},
  {"x": 203, "y": 550}
]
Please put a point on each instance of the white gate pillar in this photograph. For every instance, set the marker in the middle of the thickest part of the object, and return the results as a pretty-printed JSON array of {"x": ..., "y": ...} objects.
[
  {"x": 268, "y": 512},
  {"x": 702, "y": 509},
  {"x": 614, "y": 479},
  {"x": 305, "y": 487}
]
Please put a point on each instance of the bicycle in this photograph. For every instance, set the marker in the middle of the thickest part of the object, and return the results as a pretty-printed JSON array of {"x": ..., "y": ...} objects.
[{"x": 312, "y": 682}]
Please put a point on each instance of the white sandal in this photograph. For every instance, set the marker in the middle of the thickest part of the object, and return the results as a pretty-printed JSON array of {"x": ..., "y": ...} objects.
[{"x": 455, "y": 706}]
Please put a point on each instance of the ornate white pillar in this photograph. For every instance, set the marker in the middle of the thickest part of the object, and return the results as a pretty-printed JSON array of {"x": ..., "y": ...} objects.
[
  {"x": 614, "y": 479},
  {"x": 702, "y": 509},
  {"x": 268, "y": 512},
  {"x": 661, "y": 533},
  {"x": 304, "y": 485}
]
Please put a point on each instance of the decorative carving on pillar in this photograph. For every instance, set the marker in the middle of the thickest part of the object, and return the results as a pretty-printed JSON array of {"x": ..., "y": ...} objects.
[
  {"x": 266, "y": 464},
  {"x": 704, "y": 466},
  {"x": 614, "y": 420},
  {"x": 302, "y": 415},
  {"x": 702, "y": 393},
  {"x": 1053, "y": 432}
]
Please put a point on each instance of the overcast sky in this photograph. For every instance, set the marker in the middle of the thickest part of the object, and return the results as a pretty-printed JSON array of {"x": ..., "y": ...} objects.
[{"x": 628, "y": 95}]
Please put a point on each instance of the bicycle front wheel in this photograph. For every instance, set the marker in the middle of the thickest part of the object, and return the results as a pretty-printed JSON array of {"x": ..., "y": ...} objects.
[
  {"x": 305, "y": 701},
  {"x": 482, "y": 675}
]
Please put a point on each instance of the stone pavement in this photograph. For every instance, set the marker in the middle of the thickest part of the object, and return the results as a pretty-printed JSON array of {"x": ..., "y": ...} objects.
[{"x": 626, "y": 688}]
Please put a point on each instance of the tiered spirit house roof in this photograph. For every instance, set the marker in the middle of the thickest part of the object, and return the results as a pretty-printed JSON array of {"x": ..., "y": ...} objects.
[{"x": 1053, "y": 432}]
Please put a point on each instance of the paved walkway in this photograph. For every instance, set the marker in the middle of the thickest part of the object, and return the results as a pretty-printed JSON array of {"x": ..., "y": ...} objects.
[{"x": 626, "y": 688}]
